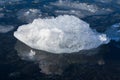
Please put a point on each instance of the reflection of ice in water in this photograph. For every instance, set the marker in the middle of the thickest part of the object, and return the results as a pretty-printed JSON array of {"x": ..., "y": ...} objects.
[{"x": 57, "y": 63}]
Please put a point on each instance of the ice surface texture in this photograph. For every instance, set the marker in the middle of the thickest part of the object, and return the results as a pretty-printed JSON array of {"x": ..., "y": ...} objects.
[
  {"x": 114, "y": 32},
  {"x": 63, "y": 34}
]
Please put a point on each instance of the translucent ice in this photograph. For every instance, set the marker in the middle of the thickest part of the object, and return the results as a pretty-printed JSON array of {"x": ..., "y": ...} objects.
[
  {"x": 114, "y": 32},
  {"x": 1, "y": 15},
  {"x": 28, "y": 15},
  {"x": 80, "y": 9},
  {"x": 63, "y": 34},
  {"x": 4, "y": 2},
  {"x": 5, "y": 29}
]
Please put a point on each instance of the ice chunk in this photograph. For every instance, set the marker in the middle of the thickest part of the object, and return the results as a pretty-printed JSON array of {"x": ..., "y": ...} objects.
[
  {"x": 28, "y": 15},
  {"x": 103, "y": 37},
  {"x": 118, "y": 1},
  {"x": 4, "y": 2},
  {"x": 1, "y": 15},
  {"x": 77, "y": 13},
  {"x": 77, "y": 5},
  {"x": 114, "y": 32},
  {"x": 63, "y": 34},
  {"x": 80, "y": 9},
  {"x": 103, "y": 1},
  {"x": 5, "y": 29}
]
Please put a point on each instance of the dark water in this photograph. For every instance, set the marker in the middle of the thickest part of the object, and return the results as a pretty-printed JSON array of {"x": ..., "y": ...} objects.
[{"x": 105, "y": 65}]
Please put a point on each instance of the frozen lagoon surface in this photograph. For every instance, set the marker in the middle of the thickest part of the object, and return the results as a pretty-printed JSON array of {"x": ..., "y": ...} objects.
[{"x": 93, "y": 56}]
